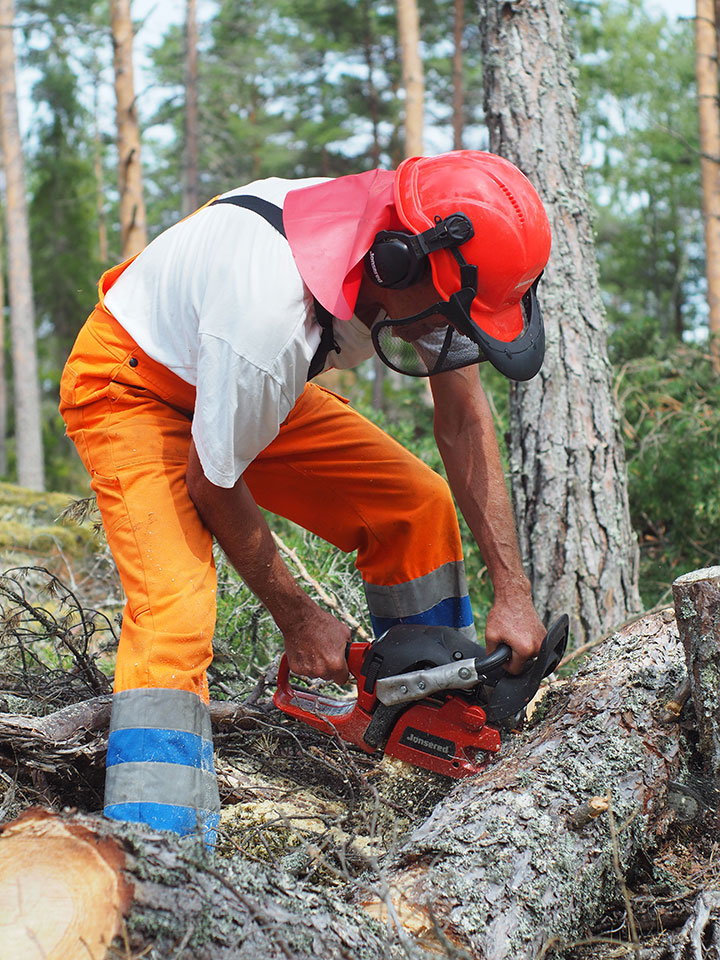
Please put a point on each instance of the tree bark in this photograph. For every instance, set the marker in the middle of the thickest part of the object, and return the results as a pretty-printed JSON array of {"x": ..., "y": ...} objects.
[
  {"x": 567, "y": 461},
  {"x": 3, "y": 374},
  {"x": 412, "y": 75},
  {"x": 500, "y": 867},
  {"x": 529, "y": 853},
  {"x": 99, "y": 176},
  {"x": 190, "y": 199},
  {"x": 372, "y": 93},
  {"x": 458, "y": 104},
  {"x": 133, "y": 229},
  {"x": 706, "y": 68},
  {"x": 697, "y": 608},
  {"x": 26, "y": 387}
]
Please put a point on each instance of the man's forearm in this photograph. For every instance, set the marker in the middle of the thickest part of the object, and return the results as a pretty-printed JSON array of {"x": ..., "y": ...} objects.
[
  {"x": 468, "y": 446},
  {"x": 238, "y": 525},
  {"x": 314, "y": 640},
  {"x": 466, "y": 440}
]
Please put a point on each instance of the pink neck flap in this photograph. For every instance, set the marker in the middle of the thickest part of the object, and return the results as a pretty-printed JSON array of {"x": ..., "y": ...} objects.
[{"x": 331, "y": 226}]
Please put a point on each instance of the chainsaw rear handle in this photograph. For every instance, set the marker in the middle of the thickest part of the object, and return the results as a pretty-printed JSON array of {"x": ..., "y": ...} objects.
[{"x": 354, "y": 655}]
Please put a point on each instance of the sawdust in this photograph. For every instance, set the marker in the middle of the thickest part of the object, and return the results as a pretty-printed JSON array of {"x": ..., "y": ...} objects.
[{"x": 314, "y": 830}]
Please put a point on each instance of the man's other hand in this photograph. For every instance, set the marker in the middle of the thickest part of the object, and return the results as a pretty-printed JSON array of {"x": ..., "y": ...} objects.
[{"x": 515, "y": 622}]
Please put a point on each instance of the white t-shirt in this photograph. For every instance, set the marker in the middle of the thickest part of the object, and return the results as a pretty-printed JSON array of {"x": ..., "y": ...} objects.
[{"x": 218, "y": 300}]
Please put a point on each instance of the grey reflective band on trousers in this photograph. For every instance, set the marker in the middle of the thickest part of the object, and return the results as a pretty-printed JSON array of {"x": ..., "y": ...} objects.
[
  {"x": 410, "y": 598},
  {"x": 438, "y": 597},
  {"x": 153, "y": 782},
  {"x": 161, "y": 708},
  {"x": 160, "y": 768}
]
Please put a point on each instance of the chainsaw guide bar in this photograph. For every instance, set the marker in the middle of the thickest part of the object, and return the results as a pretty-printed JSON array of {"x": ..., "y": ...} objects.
[{"x": 426, "y": 695}]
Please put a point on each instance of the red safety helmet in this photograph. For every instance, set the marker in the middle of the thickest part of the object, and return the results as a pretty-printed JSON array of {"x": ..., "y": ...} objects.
[{"x": 482, "y": 225}]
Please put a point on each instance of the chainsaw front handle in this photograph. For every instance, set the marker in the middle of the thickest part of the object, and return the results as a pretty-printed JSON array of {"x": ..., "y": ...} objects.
[{"x": 460, "y": 675}]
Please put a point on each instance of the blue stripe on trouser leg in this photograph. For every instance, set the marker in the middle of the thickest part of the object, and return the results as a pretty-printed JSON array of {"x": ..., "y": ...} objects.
[
  {"x": 160, "y": 767},
  {"x": 438, "y": 597}
]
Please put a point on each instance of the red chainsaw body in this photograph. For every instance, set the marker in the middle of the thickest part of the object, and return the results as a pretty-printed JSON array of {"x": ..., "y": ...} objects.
[{"x": 448, "y": 735}]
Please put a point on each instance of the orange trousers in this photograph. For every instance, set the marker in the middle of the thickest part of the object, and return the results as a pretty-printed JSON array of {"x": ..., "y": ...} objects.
[{"x": 329, "y": 469}]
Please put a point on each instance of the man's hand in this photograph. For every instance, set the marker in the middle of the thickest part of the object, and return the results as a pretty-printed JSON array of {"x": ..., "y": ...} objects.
[
  {"x": 315, "y": 645},
  {"x": 515, "y": 622}
]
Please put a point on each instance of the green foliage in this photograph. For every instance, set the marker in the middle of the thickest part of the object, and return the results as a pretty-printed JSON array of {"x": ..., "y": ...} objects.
[
  {"x": 671, "y": 410},
  {"x": 639, "y": 121},
  {"x": 295, "y": 89}
]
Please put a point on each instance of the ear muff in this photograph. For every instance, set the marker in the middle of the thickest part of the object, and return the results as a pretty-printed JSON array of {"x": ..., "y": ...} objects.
[
  {"x": 393, "y": 262},
  {"x": 398, "y": 259}
]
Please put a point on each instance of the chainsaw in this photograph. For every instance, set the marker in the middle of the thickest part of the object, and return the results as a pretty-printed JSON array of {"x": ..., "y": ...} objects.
[{"x": 426, "y": 695}]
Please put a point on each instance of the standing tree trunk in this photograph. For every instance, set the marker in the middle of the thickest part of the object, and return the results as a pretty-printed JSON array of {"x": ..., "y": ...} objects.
[
  {"x": 132, "y": 207},
  {"x": 458, "y": 108},
  {"x": 99, "y": 176},
  {"x": 3, "y": 375},
  {"x": 373, "y": 101},
  {"x": 412, "y": 74},
  {"x": 28, "y": 426},
  {"x": 566, "y": 457},
  {"x": 190, "y": 200},
  {"x": 706, "y": 67}
]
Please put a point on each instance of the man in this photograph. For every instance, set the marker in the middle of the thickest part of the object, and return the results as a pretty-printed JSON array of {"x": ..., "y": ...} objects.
[{"x": 186, "y": 395}]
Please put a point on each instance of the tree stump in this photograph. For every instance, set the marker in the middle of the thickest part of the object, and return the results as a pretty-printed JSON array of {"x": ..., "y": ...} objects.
[{"x": 697, "y": 609}]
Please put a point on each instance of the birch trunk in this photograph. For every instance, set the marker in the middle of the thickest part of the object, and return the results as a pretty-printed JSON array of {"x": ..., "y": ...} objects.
[
  {"x": 567, "y": 461},
  {"x": 133, "y": 229},
  {"x": 709, "y": 121},
  {"x": 412, "y": 75},
  {"x": 26, "y": 387}
]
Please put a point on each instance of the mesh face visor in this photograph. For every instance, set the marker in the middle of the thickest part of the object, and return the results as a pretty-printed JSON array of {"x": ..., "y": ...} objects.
[{"x": 403, "y": 347}]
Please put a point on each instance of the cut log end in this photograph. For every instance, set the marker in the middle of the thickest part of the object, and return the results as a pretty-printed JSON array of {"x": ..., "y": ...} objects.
[{"x": 62, "y": 891}]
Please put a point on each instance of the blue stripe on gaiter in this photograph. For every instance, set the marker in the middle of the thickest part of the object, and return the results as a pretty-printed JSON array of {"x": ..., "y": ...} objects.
[
  {"x": 163, "y": 746},
  {"x": 165, "y": 816},
  {"x": 451, "y": 612},
  {"x": 439, "y": 598}
]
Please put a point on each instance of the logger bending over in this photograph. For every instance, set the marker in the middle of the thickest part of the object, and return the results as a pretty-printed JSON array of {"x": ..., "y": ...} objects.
[{"x": 189, "y": 396}]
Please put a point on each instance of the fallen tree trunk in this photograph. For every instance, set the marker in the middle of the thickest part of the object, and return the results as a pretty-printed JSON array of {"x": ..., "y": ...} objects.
[
  {"x": 525, "y": 857},
  {"x": 70, "y": 885},
  {"x": 500, "y": 867}
]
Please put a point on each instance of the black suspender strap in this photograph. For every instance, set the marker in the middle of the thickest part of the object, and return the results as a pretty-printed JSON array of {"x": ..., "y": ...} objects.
[
  {"x": 273, "y": 214},
  {"x": 269, "y": 211}
]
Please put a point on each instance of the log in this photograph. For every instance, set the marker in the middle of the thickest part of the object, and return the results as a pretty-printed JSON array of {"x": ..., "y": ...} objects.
[
  {"x": 69, "y": 883},
  {"x": 80, "y": 729},
  {"x": 62, "y": 890},
  {"x": 697, "y": 608},
  {"x": 509, "y": 863},
  {"x": 514, "y": 863}
]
